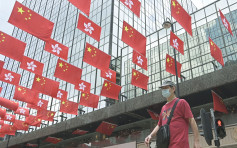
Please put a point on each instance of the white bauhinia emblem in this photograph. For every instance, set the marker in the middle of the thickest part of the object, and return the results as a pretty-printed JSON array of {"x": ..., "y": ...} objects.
[
  {"x": 56, "y": 49},
  {"x": 59, "y": 94},
  {"x": 108, "y": 74},
  {"x": 139, "y": 60},
  {"x": 88, "y": 28},
  {"x": 9, "y": 117},
  {"x": 40, "y": 103},
  {"x": 175, "y": 44},
  {"x": 129, "y": 3},
  {"x": 22, "y": 111},
  {"x": 225, "y": 23},
  {"x": 31, "y": 66},
  {"x": 82, "y": 86},
  {"x": 9, "y": 77}
]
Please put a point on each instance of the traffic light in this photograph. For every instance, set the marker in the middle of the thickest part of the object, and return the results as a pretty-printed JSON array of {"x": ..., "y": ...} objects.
[
  {"x": 206, "y": 126},
  {"x": 220, "y": 128}
]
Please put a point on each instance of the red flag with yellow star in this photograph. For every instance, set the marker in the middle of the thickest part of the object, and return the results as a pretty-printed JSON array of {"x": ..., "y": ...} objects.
[
  {"x": 53, "y": 140},
  {"x": 57, "y": 49},
  {"x": 139, "y": 79},
  {"x": 96, "y": 57},
  {"x": 61, "y": 95},
  {"x": 134, "y": 38},
  {"x": 133, "y": 5},
  {"x": 26, "y": 95},
  {"x": 177, "y": 43},
  {"x": 33, "y": 121},
  {"x": 89, "y": 100},
  {"x": 110, "y": 90},
  {"x": 69, "y": 107},
  {"x": 2, "y": 112},
  {"x": 83, "y": 86},
  {"x": 79, "y": 132},
  {"x": 216, "y": 52},
  {"x": 40, "y": 105},
  {"x": 10, "y": 77},
  {"x": 181, "y": 16},
  {"x": 139, "y": 59},
  {"x": 20, "y": 125},
  {"x": 47, "y": 115},
  {"x": 45, "y": 85},
  {"x": 9, "y": 117},
  {"x": 154, "y": 116},
  {"x": 88, "y": 27},
  {"x": 31, "y": 22},
  {"x": 218, "y": 103},
  {"x": 11, "y": 47},
  {"x": 83, "y": 5},
  {"x": 109, "y": 75},
  {"x": 8, "y": 129},
  {"x": 22, "y": 111},
  {"x": 225, "y": 22},
  {"x": 32, "y": 65},
  {"x": 67, "y": 72},
  {"x": 170, "y": 66},
  {"x": 12, "y": 105},
  {"x": 106, "y": 128}
]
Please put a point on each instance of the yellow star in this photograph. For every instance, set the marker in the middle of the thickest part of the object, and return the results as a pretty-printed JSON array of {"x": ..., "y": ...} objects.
[
  {"x": 173, "y": 3},
  {"x": 38, "y": 79},
  {"x": 19, "y": 89},
  {"x": 168, "y": 60},
  {"x": 52, "y": 114},
  {"x": 39, "y": 119},
  {"x": 61, "y": 65},
  {"x": 89, "y": 49},
  {"x": 212, "y": 43},
  {"x": 126, "y": 28},
  {"x": 21, "y": 10},
  {"x": 106, "y": 84},
  {"x": 63, "y": 102},
  {"x": 134, "y": 73},
  {"x": 83, "y": 95}
]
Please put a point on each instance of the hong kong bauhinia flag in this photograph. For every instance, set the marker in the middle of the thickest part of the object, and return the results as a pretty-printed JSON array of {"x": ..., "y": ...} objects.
[
  {"x": 181, "y": 16},
  {"x": 133, "y": 38},
  {"x": 57, "y": 49},
  {"x": 177, "y": 43},
  {"x": 32, "y": 65},
  {"x": 40, "y": 105},
  {"x": 170, "y": 66},
  {"x": 9, "y": 117},
  {"x": 218, "y": 103},
  {"x": 83, "y": 86},
  {"x": 89, "y": 100},
  {"x": 83, "y": 5},
  {"x": 139, "y": 59},
  {"x": 31, "y": 22},
  {"x": 216, "y": 52},
  {"x": 89, "y": 27},
  {"x": 110, "y": 90},
  {"x": 96, "y": 57},
  {"x": 109, "y": 75},
  {"x": 11, "y": 47},
  {"x": 133, "y": 5},
  {"x": 23, "y": 111},
  {"x": 139, "y": 79},
  {"x": 26, "y": 95},
  {"x": 226, "y": 23},
  {"x": 61, "y": 95},
  {"x": 10, "y": 77},
  {"x": 67, "y": 72}
]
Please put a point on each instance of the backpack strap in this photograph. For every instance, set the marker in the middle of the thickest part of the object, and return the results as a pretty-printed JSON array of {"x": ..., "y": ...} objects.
[{"x": 172, "y": 111}]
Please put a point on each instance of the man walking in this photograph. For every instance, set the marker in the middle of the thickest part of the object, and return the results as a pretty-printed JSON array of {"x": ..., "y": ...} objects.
[{"x": 180, "y": 121}]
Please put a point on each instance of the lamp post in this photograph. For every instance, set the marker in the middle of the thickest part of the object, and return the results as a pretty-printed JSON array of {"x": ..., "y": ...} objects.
[{"x": 167, "y": 24}]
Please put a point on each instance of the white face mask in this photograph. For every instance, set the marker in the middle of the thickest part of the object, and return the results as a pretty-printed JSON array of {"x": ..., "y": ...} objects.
[{"x": 166, "y": 93}]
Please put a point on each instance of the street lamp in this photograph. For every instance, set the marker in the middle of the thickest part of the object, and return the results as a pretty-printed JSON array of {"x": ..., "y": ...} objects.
[{"x": 166, "y": 25}]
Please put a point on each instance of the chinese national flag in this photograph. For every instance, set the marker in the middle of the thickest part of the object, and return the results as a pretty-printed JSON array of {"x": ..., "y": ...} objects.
[
  {"x": 45, "y": 85},
  {"x": 139, "y": 79},
  {"x": 46, "y": 115},
  {"x": 96, "y": 57},
  {"x": 218, "y": 103},
  {"x": 33, "y": 121},
  {"x": 23, "y": 111},
  {"x": 177, "y": 43},
  {"x": 83, "y": 86},
  {"x": 83, "y": 5},
  {"x": 61, "y": 95},
  {"x": 53, "y": 140},
  {"x": 79, "y": 132},
  {"x": 1, "y": 64},
  {"x": 106, "y": 128},
  {"x": 1, "y": 122},
  {"x": 216, "y": 52},
  {"x": 10, "y": 77},
  {"x": 226, "y": 23},
  {"x": 109, "y": 75},
  {"x": 26, "y": 95},
  {"x": 181, "y": 16},
  {"x": 9, "y": 117},
  {"x": 20, "y": 125},
  {"x": 89, "y": 27},
  {"x": 133, "y": 38},
  {"x": 67, "y": 72},
  {"x": 40, "y": 105},
  {"x": 32, "y": 65},
  {"x": 133, "y": 5},
  {"x": 89, "y": 100},
  {"x": 2, "y": 112},
  {"x": 8, "y": 129},
  {"x": 139, "y": 59},
  {"x": 170, "y": 66},
  {"x": 31, "y": 22},
  {"x": 69, "y": 107},
  {"x": 11, "y": 47},
  {"x": 153, "y": 115},
  {"x": 9, "y": 104},
  {"x": 57, "y": 49},
  {"x": 110, "y": 90}
]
